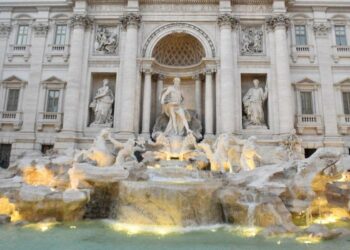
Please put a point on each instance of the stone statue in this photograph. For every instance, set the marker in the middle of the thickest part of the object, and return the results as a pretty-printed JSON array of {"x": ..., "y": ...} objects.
[
  {"x": 253, "y": 102},
  {"x": 249, "y": 156},
  {"x": 171, "y": 100},
  {"x": 126, "y": 153},
  {"x": 106, "y": 42},
  {"x": 222, "y": 155},
  {"x": 293, "y": 146},
  {"x": 102, "y": 106},
  {"x": 99, "y": 151}
]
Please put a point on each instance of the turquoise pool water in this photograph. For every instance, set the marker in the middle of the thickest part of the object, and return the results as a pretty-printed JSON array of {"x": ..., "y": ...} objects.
[{"x": 100, "y": 235}]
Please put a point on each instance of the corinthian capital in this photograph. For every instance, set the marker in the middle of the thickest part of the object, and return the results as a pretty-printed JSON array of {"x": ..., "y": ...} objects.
[
  {"x": 40, "y": 29},
  {"x": 5, "y": 29},
  {"x": 80, "y": 21},
  {"x": 131, "y": 19},
  {"x": 227, "y": 19},
  {"x": 321, "y": 29},
  {"x": 278, "y": 20}
]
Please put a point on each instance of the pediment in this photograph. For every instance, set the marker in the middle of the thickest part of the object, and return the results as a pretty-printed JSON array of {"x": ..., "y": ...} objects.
[
  {"x": 306, "y": 83},
  {"x": 345, "y": 83},
  {"x": 54, "y": 81},
  {"x": 13, "y": 79}
]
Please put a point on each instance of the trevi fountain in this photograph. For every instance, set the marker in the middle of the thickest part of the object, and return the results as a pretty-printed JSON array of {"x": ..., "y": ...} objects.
[{"x": 178, "y": 186}]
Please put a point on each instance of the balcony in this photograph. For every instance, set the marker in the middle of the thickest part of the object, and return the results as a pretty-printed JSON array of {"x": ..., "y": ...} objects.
[
  {"x": 344, "y": 124},
  {"x": 18, "y": 51},
  {"x": 50, "y": 119},
  {"x": 12, "y": 118},
  {"x": 56, "y": 50},
  {"x": 309, "y": 123},
  {"x": 303, "y": 51},
  {"x": 340, "y": 52}
]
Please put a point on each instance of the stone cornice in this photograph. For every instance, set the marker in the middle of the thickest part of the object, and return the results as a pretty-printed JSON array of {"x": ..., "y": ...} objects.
[
  {"x": 80, "y": 21},
  {"x": 131, "y": 19},
  {"x": 278, "y": 20},
  {"x": 227, "y": 20},
  {"x": 5, "y": 29},
  {"x": 40, "y": 29}
]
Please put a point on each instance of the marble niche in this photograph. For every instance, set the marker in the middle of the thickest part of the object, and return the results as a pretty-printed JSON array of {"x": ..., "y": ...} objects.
[
  {"x": 102, "y": 99},
  {"x": 255, "y": 94}
]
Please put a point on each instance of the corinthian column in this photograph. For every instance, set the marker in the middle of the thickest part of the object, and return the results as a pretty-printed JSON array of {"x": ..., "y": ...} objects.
[
  {"x": 279, "y": 24},
  {"x": 226, "y": 23},
  {"x": 198, "y": 94},
  {"x": 74, "y": 77},
  {"x": 131, "y": 23}
]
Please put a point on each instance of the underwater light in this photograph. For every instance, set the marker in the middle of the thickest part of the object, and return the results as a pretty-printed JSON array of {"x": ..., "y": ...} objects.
[
  {"x": 42, "y": 226},
  {"x": 132, "y": 229},
  {"x": 309, "y": 239},
  {"x": 248, "y": 232},
  {"x": 326, "y": 220}
]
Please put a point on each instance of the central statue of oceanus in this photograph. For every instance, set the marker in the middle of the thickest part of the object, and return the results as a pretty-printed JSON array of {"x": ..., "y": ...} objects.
[{"x": 175, "y": 120}]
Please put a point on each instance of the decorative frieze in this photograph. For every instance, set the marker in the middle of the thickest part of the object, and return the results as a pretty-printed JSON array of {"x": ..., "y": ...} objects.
[
  {"x": 107, "y": 40},
  {"x": 321, "y": 29},
  {"x": 80, "y": 21},
  {"x": 227, "y": 20},
  {"x": 131, "y": 19},
  {"x": 40, "y": 29},
  {"x": 278, "y": 20},
  {"x": 5, "y": 29},
  {"x": 252, "y": 40}
]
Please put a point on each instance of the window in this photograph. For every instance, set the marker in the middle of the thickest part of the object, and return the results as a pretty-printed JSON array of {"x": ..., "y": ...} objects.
[
  {"x": 340, "y": 35},
  {"x": 60, "y": 35},
  {"x": 346, "y": 103},
  {"x": 5, "y": 153},
  {"x": 52, "y": 101},
  {"x": 306, "y": 103},
  {"x": 300, "y": 35},
  {"x": 12, "y": 100},
  {"x": 309, "y": 152},
  {"x": 46, "y": 148},
  {"x": 22, "y": 35}
]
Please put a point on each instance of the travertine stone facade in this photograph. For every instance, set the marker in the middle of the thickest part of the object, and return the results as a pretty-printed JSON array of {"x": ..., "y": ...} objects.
[{"x": 54, "y": 55}]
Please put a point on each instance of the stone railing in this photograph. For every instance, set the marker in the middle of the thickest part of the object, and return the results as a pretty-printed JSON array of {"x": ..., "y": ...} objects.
[
  {"x": 56, "y": 50},
  {"x": 12, "y": 118},
  {"x": 344, "y": 124},
  {"x": 340, "y": 52},
  {"x": 306, "y": 51},
  {"x": 18, "y": 51},
  {"x": 53, "y": 119},
  {"x": 309, "y": 122}
]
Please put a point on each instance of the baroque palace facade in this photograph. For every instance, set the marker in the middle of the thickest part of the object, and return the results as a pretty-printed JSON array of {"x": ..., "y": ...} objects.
[{"x": 58, "y": 57}]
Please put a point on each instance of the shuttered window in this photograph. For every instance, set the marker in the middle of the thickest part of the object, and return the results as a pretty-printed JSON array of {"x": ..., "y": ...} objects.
[
  {"x": 12, "y": 100},
  {"x": 52, "y": 100},
  {"x": 306, "y": 103},
  {"x": 346, "y": 103},
  {"x": 340, "y": 35},
  {"x": 60, "y": 35},
  {"x": 300, "y": 35},
  {"x": 22, "y": 35}
]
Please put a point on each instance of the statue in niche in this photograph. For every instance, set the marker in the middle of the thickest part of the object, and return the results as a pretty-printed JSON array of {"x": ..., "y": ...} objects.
[
  {"x": 175, "y": 120},
  {"x": 251, "y": 41},
  {"x": 106, "y": 41},
  {"x": 253, "y": 102},
  {"x": 102, "y": 106}
]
